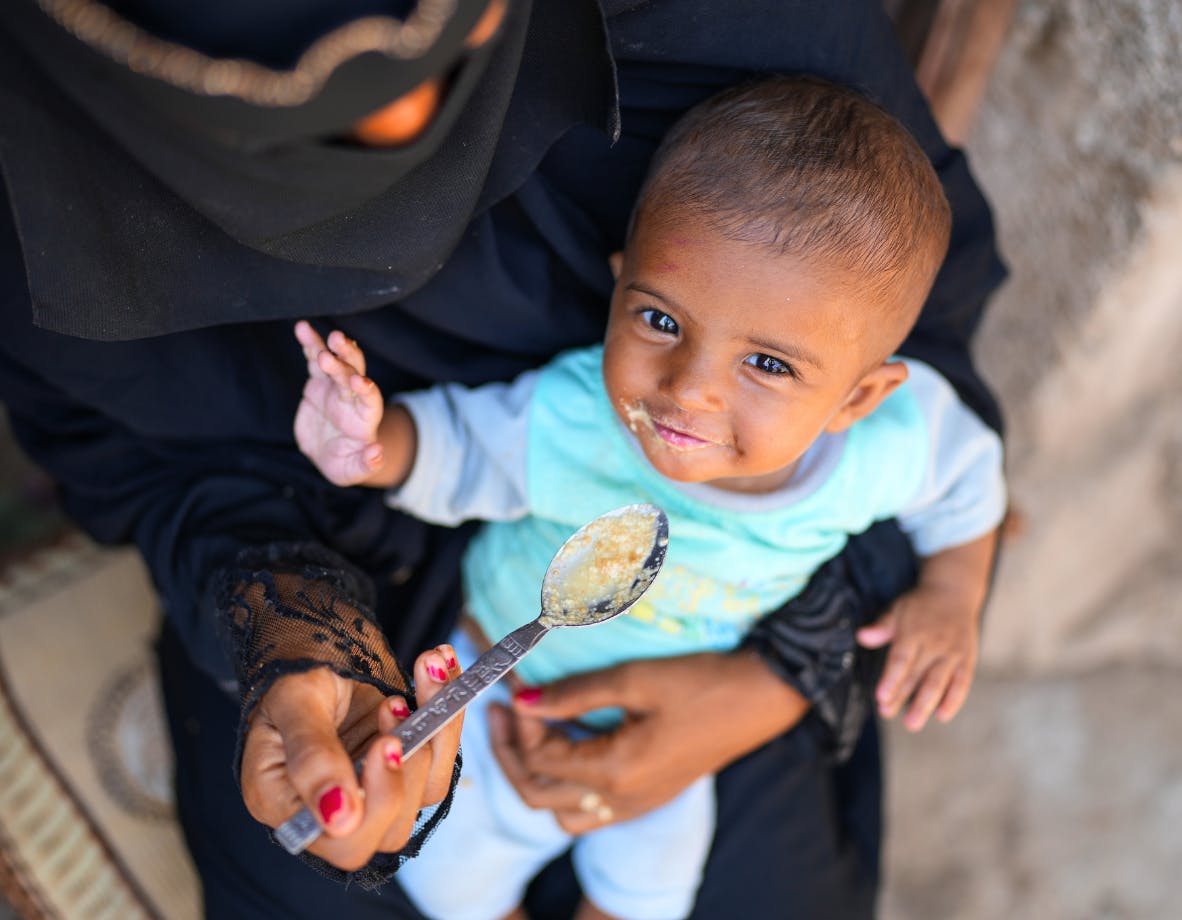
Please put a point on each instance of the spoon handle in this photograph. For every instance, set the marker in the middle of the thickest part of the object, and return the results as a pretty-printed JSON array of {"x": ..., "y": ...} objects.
[
  {"x": 298, "y": 833},
  {"x": 482, "y": 674}
]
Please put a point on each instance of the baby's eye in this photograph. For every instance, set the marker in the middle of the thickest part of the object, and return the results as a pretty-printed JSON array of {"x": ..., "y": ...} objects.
[
  {"x": 769, "y": 365},
  {"x": 662, "y": 322}
]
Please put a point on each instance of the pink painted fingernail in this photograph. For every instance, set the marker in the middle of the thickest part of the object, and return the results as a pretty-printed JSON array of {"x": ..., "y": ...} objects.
[
  {"x": 437, "y": 673},
  {"x": 393, "y": 755},
  {"x": 452, "y": 664},
  {"x": 331, "y": 803},
  {"x": 527, "y": 695},
  {"x": 399, "y": 708}
]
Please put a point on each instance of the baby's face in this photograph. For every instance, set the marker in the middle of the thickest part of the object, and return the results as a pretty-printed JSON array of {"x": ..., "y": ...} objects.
[{"x": 725, "y": 359}]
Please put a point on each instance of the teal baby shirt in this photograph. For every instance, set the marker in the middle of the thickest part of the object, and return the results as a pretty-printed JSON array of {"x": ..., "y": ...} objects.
[{"x": 730, "y": 559}]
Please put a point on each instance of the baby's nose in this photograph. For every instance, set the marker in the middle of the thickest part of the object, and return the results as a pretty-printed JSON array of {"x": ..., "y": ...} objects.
[{"x": 693, "y": 383}]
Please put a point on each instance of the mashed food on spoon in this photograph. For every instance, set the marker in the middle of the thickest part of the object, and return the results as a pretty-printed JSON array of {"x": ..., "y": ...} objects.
[{"x": 603, "y": 565}]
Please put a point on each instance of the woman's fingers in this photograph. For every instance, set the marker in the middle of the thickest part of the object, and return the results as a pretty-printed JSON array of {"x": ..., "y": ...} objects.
[
  {"x": 393, "y": 797},
  {"x": 554, "y": 772},
  {"x": 433, "y": 671},
  {"x": 535, "y": 791},
  {"x": 577, "y": 807},
  {"x": 397, "y": 787},
  {"x": 393, "y": 712},
  {"x": 582, "y": 693},
  {"x": 293, "y": 752}
]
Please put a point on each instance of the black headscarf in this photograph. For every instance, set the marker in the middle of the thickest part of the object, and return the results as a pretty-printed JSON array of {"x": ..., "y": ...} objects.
[{"x": 197, "y": 200}]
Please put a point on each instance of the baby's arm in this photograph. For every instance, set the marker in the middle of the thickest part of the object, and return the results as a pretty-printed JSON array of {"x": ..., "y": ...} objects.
[
  {"x": 952, "y": 522},
  {"x": 342, "y": 424},
  {"x": 933, "y": 633}
]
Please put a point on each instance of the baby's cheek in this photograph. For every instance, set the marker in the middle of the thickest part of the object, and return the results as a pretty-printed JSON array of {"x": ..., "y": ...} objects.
[{"x": 615, "y": 375}]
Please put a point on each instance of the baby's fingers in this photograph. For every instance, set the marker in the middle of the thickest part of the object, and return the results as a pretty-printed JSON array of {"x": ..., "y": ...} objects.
[
  {"x": 956, "y": 694},
  {"x": 899, "y": 678},
  {"x": 360, "y": 400},
  {"x": 350, "y": 467},
  {"x": 340, "y": 373},
  {"x": 367, "y": 398},
  {"x": 347, "y": 350},
  {"x": 931, "y": 691},
  {"x": 312, "y": 345}
]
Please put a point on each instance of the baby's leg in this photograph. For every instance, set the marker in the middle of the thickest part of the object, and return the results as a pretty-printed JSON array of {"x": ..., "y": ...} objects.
[{"x": 648, "y": 868}]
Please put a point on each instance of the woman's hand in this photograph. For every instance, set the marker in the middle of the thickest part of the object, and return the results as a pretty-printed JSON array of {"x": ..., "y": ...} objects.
[
  {"x": 684, "y": 718},
  {"x": 300, "y": 747}
]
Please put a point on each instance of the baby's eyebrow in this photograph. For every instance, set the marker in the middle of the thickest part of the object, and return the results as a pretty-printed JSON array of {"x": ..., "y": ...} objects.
[
  {"x": 793, "y": 352},
  {"x": 652, "y": 292}
]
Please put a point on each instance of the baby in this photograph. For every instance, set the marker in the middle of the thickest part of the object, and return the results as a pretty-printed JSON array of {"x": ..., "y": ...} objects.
[{"x": 779, "y": 253}]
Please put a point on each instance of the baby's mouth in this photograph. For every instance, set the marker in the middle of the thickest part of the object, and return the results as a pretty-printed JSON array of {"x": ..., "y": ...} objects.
[
  {"x": 681, "y": 440},
  {"x": 677, "y": 436}
]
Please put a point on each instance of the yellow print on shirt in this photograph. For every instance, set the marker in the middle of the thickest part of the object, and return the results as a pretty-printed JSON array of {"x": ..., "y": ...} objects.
[{"x": 682, "y": 599}]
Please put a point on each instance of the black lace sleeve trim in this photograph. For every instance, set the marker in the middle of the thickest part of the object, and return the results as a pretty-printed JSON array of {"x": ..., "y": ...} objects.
[
  {"x": 810, "y": 641},
  {"x": 288, "y": 608}
]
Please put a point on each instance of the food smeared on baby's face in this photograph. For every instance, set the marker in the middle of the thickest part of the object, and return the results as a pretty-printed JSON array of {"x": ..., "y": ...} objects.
[{"x": 635, "y": 415}]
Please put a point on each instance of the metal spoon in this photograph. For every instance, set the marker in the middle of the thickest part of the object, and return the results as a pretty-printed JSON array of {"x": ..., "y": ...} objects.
[{"x": 597, "y": 574}]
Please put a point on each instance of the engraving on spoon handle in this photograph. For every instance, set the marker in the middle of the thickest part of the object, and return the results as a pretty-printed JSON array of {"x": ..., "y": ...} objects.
[{"x": 480, "y": 675}]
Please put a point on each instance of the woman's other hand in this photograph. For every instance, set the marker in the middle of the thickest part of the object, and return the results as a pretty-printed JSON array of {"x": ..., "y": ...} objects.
[
  {"x": 300, "y": 747},
  {"x": 684, "y": 718}
]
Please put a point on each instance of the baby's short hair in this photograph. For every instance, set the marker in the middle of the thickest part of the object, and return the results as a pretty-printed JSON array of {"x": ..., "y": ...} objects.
[{"x": 808, "y": 168}]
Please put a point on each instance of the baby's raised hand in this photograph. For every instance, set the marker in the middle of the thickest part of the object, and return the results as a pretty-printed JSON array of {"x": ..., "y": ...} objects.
[
  {"x": 336, "y": 424},
  {"x": 933, "y": 636}
]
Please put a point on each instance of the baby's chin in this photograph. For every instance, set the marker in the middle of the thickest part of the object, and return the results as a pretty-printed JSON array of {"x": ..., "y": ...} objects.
[{"x": 672, "y": 463}]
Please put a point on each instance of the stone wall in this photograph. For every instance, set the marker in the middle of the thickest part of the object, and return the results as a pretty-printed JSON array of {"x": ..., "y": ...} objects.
[
  {"x": 1057, "y": 792},
  {"x": 1079, "y": 147}
]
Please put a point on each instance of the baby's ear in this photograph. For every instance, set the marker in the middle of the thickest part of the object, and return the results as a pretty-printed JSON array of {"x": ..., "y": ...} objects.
[
  {"x": 869, "y": 392},
  {"x": 616, "y": 261}
]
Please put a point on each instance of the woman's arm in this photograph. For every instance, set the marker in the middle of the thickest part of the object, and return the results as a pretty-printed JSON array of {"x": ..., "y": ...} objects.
[{"x": 685, "y": 717}]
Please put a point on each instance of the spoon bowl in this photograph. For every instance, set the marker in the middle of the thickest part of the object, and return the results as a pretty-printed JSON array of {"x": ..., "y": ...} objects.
[{"x": 605, "y": 566}]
